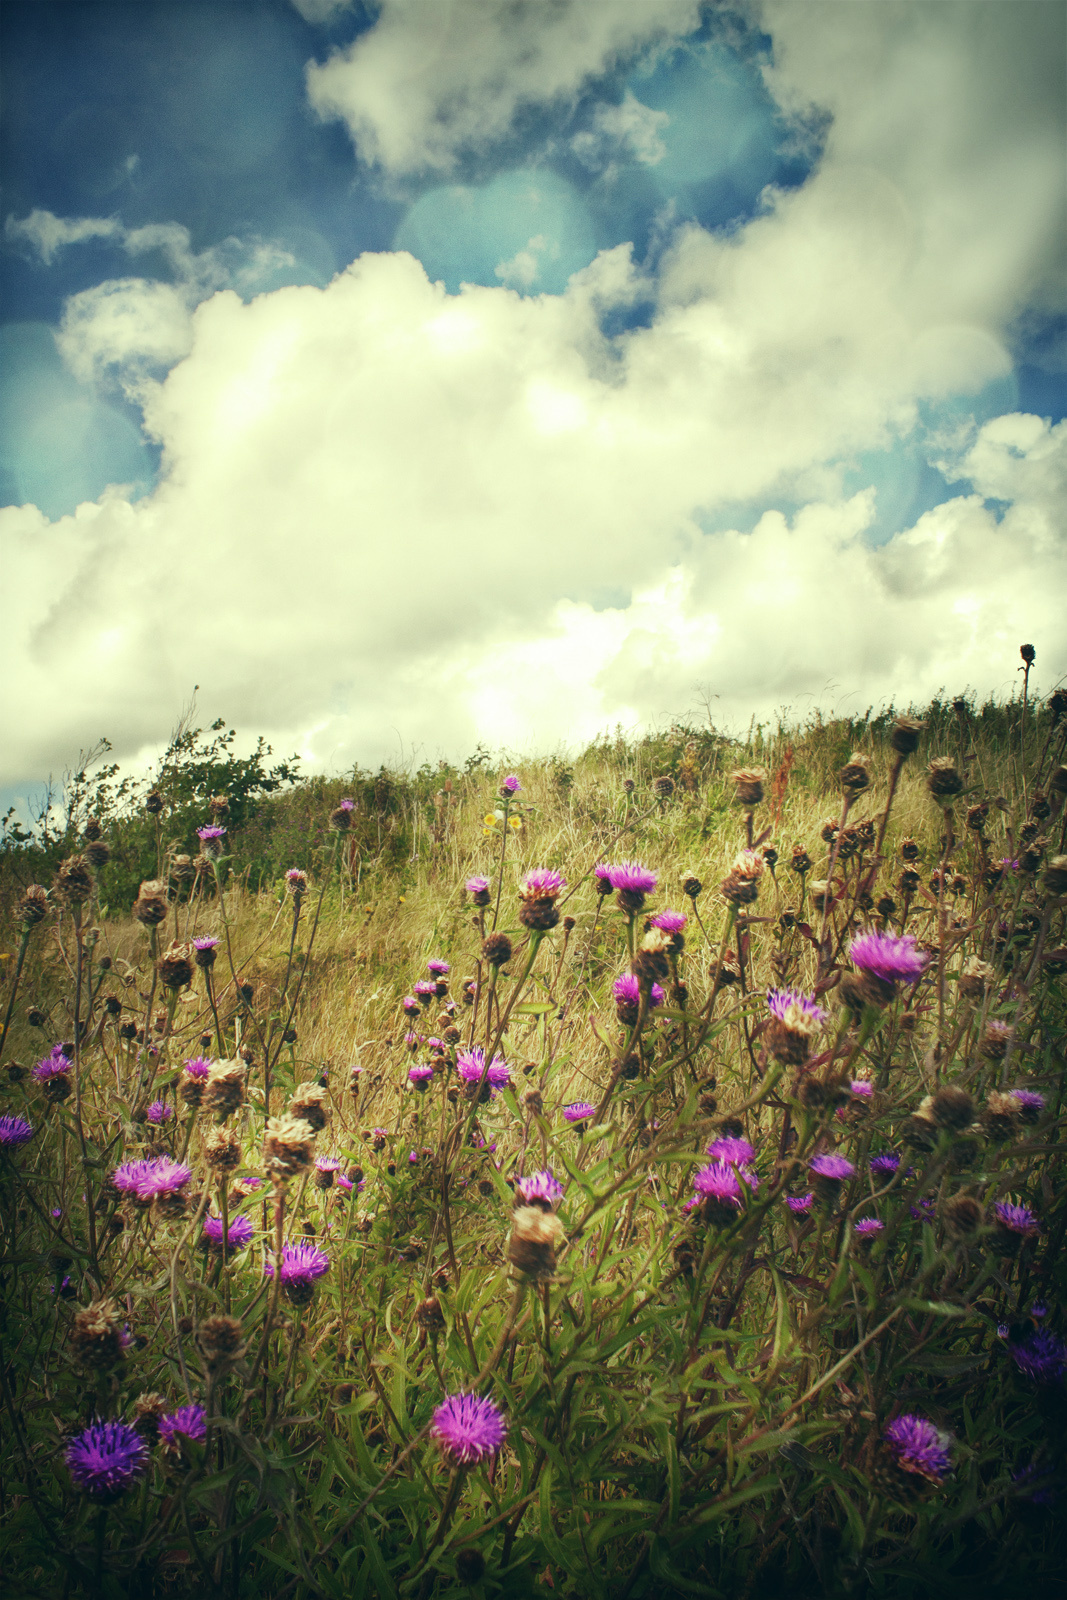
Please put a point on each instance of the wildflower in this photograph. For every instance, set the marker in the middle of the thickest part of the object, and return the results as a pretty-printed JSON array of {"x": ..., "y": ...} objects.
[
  {"x": 995, "y": 1040},
  {"x": 468, "y": 1428},
  {"x": 884, "y": 1164},
  {"x": 147, "y": 1410},
  {"x": 296, "y": 882},
  {"x": 1015, "y": 1224},
  {"x": 238, "y": 1234},
  {"x": 159, "y": 1112},
  {"x": 420, "y": 1076},
  {"x": 150, "y": 907},
  {"x": 602, "y": 879},
  {"x": 535, "y": 1235},
  {"x": 496, "y": 949},
  {"x": 905, "y": 735},
  {"x": 631, "y": 882},
  {"x": 74, "y": 881},
  {"x": 975, "y": 978},
  {"x": 128, "y": 1175},
  {"x": 651, "y": 960},
  {"x": 1030, "y": 1103},
  {"x": 224, "y": 1088},
  {"x": 887, "y": 958},
  {"x": 538, "y": 893},
  {"x": 718, "y": 1187},
  {"x": 1041, "y": 1355},
  {"x": 855, "y": 775},
  {"x": 326, "y": 1170},
  {"x": 302, "y": 1264},
  {"x": 795, "y": 1018},
  {"x": 963, "y": 1217},
  {"x": 162, "y": 1179},
  {"x": 221, "y": 1343},
  {"x": 673, "y": 924},
  {"x": 410, "y": 1005},
  {"x": 861, "y": 1089},
  {"x": 98, "y": 1335},
  {"x": 1000, "y": 1115},
  {"x": 800, "y": 1204},
  {"x": 867, "y": 1226},
  {"x": 470, "y": 1064},
  {"x": 425, "y": 991},
  {"x": 287, "y": 1144},
  {"x": 188, "y": 1422},
  {"x": 828, "y": 1174},
  {"x": 917, "y": 1446},
  {"x": 105, "y": 1459},
  {"x": 738, "y": 1152},
  {"x": 14, "y": 1131},
  {"x": 541, "y": 1189},
  {"x": 627, "y": 992},
  {"x": 748, "y": 785},
  {"x": 52, "y": 1072},
  {"x": 204, "y": 948},
  {"x": 478, "y": 889},
  {"x": 211, "y": 840},
  {"x": 307, "y": 1103},
  {"x": 943, "y": 779},
  {"x": 32, "y": 906},
  {"x": 341, "y": 817},
  {"x": 510, "y": 786},
  {"x": 741, "y": 884},
  {"x": 579, "y": 1111},
  {"x": 222, "y": 1150},
  {"x": 438, "y": 968}
]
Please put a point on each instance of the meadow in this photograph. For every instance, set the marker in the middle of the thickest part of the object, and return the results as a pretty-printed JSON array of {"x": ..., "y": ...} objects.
[{"x": 638, "y": 1174}]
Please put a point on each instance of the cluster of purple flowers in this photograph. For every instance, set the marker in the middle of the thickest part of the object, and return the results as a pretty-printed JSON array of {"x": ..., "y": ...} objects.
[{"x": 150, "y": 1180}]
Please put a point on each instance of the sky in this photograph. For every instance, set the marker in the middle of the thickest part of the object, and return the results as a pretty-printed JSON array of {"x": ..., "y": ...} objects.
[{"x": 413, "y": 375}]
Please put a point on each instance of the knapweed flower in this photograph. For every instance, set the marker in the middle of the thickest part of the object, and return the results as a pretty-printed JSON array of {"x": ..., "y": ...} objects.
[
  {"x": 861, "y": 1089},
  {"x": 188, "y": 1422},
  {"x": 884, "y": 1164},
  {"x": 159, "y": 1112},
  {"x": 410, "y": 1005},
  {"x": 127, "y": 1176},
  {"x": 1030, "y": 1103},
  {"x": 800, "y": 1203},
  {"x": 52, "y": 1068},
  {"x": 888, "y": 957},
  {"x": 579, "y": 1111},
  {"x": 738, "y": 1152},
  {"x": 1019, "y": 1221},
  {"x": 833, "y": 1168},
  {"x": 538, "y": 893},
  {"x": 470, "y": 1064},
  {"x": 866, "y": 1226},
  {"x": 14, "y": 1131},
  {"x": 539, "y": 1189},
  {"x": 425, "y": 991},
  {"x": 420, "y": 1076},
  {"x": 302, "y": 1264},
  {"x": 163, "y": 1177},
  {"x": 669, "y": 921},
  {"x": 204, "y": 947},
  {"x": 438, "y": 968},
  {"x": 627, "y": 992},
  {"x": 1041, "y": 1355},
  {"x": 510, "y": 785},
  {"x": 602, "y": 879},
  {"x": 296, "y": 881},
  {"x": 340, "y": 818},
  {"x": 211, "y": 840},
  {"x": 917, "y": 1446},
  {"x": 105, "y": 1459},
  {"x": 478, "y": 889},
  {"x": 238, "y": 1235},
  {"x": 741, "y": 884},
  {"x": 718, "y": 1187},
  {"x": 193, "y": 1079},
  {"x": 468, "y": 1428},
  {"x": 631, "y": 882},
  {"x": 795, "y": 1019}
]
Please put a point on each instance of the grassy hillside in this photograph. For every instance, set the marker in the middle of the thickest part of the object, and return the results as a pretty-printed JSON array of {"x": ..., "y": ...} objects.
[{"x": 414, "y": 1120}]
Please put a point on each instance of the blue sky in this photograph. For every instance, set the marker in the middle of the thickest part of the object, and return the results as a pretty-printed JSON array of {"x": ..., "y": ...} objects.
[{"x": 695, "y": 292}]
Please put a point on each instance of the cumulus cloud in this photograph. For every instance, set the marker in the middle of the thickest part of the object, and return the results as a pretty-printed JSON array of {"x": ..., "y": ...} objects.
[
  {"x": 436, "y": 79},
  {"x": 49, "y": 234},
  {"x": 619, "y": 132}
]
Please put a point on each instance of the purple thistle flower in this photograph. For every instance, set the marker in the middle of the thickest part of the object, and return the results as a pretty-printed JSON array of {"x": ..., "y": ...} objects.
[
  {"x": 162, "y": 1176},
  {"x": 738, "y": 1152},
  {"x": 540, "y": 1186},
  {"x": 412, "y": 1040},
  {"x": 800, "y": 1203},
  {"x": 1042, "y": 1356},
  {"x": 602, "y": 874},
  {"x": 861, "y": 1089},
  {"x": 887, "y": 956},
  {"x": 105, "y": 1459},
  {"x": 1017, "y": 1219},
  {"x": 796, "y": 1010},
  {"x": 238, "y": 1236},
  {"x": 436, "y": 1046},
  {"x": 718, "y": 1181},
  {"x": 420, "y": 1076},
  {"x": 425, "y": 991},
  {"x": 327, "y": 1164},
  {"x": 344, "y": 1182},
  {"x": 301, "y": 1263},
  {"x": 470, "y": 1064},
  {"x": 188, "y": 1422},
  {"x": 631, "y": 882},
  {"x": 347, "y": 804},
  {"x": 885, "y": 1163},
  {"x": 438, "y": 968},
  {"x": 477, "y": 885},
  {"x": 627, "y": 992},
  {"x": 14, "y": 1131},
  {"x": 541, "y": 884},
  {"x": 924, "y": 1210},
  {"x": 159, "y": 1112},
  {"x": 917, "y": 1446},
  {"x": 579, "y": 1111},
  {"x": 205, "y": 941},
  {"x": 468, "y": 1428},
  {"x": 198, "y": 1067},
  {"x": 1039, "y": 1309},
  {"x": 834, "y": 1168},
  {"x": 669, "y": 921},
  {"x": 129, "y": 1175},
  {"x": 868, "y": 1225},
  {"x": 52, "y": 1066},
  {"x": 411, "y": 1005},
  {"x": 511, "y": 784},
  {"x": 1029, "y": 1100},
  {"x": 211, "y": 839}
]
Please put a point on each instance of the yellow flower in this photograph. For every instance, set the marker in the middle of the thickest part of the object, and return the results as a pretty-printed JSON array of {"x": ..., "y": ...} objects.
[
  {"x": 490, "y": 820},
  {"x": 515, "y": 823}
]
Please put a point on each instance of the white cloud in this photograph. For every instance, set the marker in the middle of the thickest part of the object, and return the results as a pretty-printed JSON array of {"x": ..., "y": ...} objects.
[
  {"x": 620, "y": 132},
  {"x": 49, "y": 234},
  {"x": 435, "y": 79}
]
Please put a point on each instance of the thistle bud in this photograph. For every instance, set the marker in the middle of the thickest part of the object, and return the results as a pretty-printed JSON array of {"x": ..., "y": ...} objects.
[
  {"x": 97, "y": 1337},
  {"x": 748, "y": 785},
  {"x": 855, "y": 775},
  {"x": 943, "y": 780},
  {"x": 905, "y": 735},
  {"x": 221, "y": 1343},
  {"x": 497, "y": 949},
  {"x": 224, "y": 1090},
  {"x": 150, "y": 907},
  {"x": 74, "y": 881},
  {"x": 691, "y": 885},
  {"x": 963, "y": 1217},
  {"x": 535, "y": 1234},
  {"x": 176, "y": 966},
  {"x": 801, "y": 861},
  {"x": 32, "y": 906},
  {"x": 952, "y": 1108}
]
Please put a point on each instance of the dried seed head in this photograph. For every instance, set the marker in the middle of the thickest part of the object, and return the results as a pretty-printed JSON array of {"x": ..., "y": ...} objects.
[
  {"x": 176, "y": 966},
  {"x": 996, "y": 1037},
  {"x": 905, "y": 736},
  {"x": 150, "y": 907},
  {"x": 32, "y": 906},
  {"x": 952, "y": 1108},
  {"x": 219, "y": 805},
  {"x": 1055, "y": 879},
  {"x": 1028, "y": 653},
  {"x": 535, "y": 1234},
  {"x": 183, "y": 869},
  {"x": 1000, "y": 1116},
  {"x": 943, "y": 779},
  {"x": 664, "y": 786},
  {"x": 855, "y": 775},
  {"x": 1058, "y": 780},
  {"x": 975, "y": 978},
  {"x": 691, "y": 885},
  {"x": 97, "y": 1336},
  {"x": 224, "y": 1090},
  {"x": 652, "y": 964},
  {"x": 222, "y": 1150},
  {"x": 153, "y": 803},
  {"x": 497, "y": 949},
  {"x": 98, "y": 853},
  {"x": 428, "y": 1314},
  {"x": 287, "y": 1147},
  {"x": 221, "y": 1342},
  {"x": 963, "y": 1217},
  {"x": 309, "y": 1103},
  {"x": 74, "y": 881},
  {"x": 147, "y": 1410},
  {"x": 532, "y": 1102},
  {"x": 800, "y": 861},
  {"x": 748, "y": 785}
]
